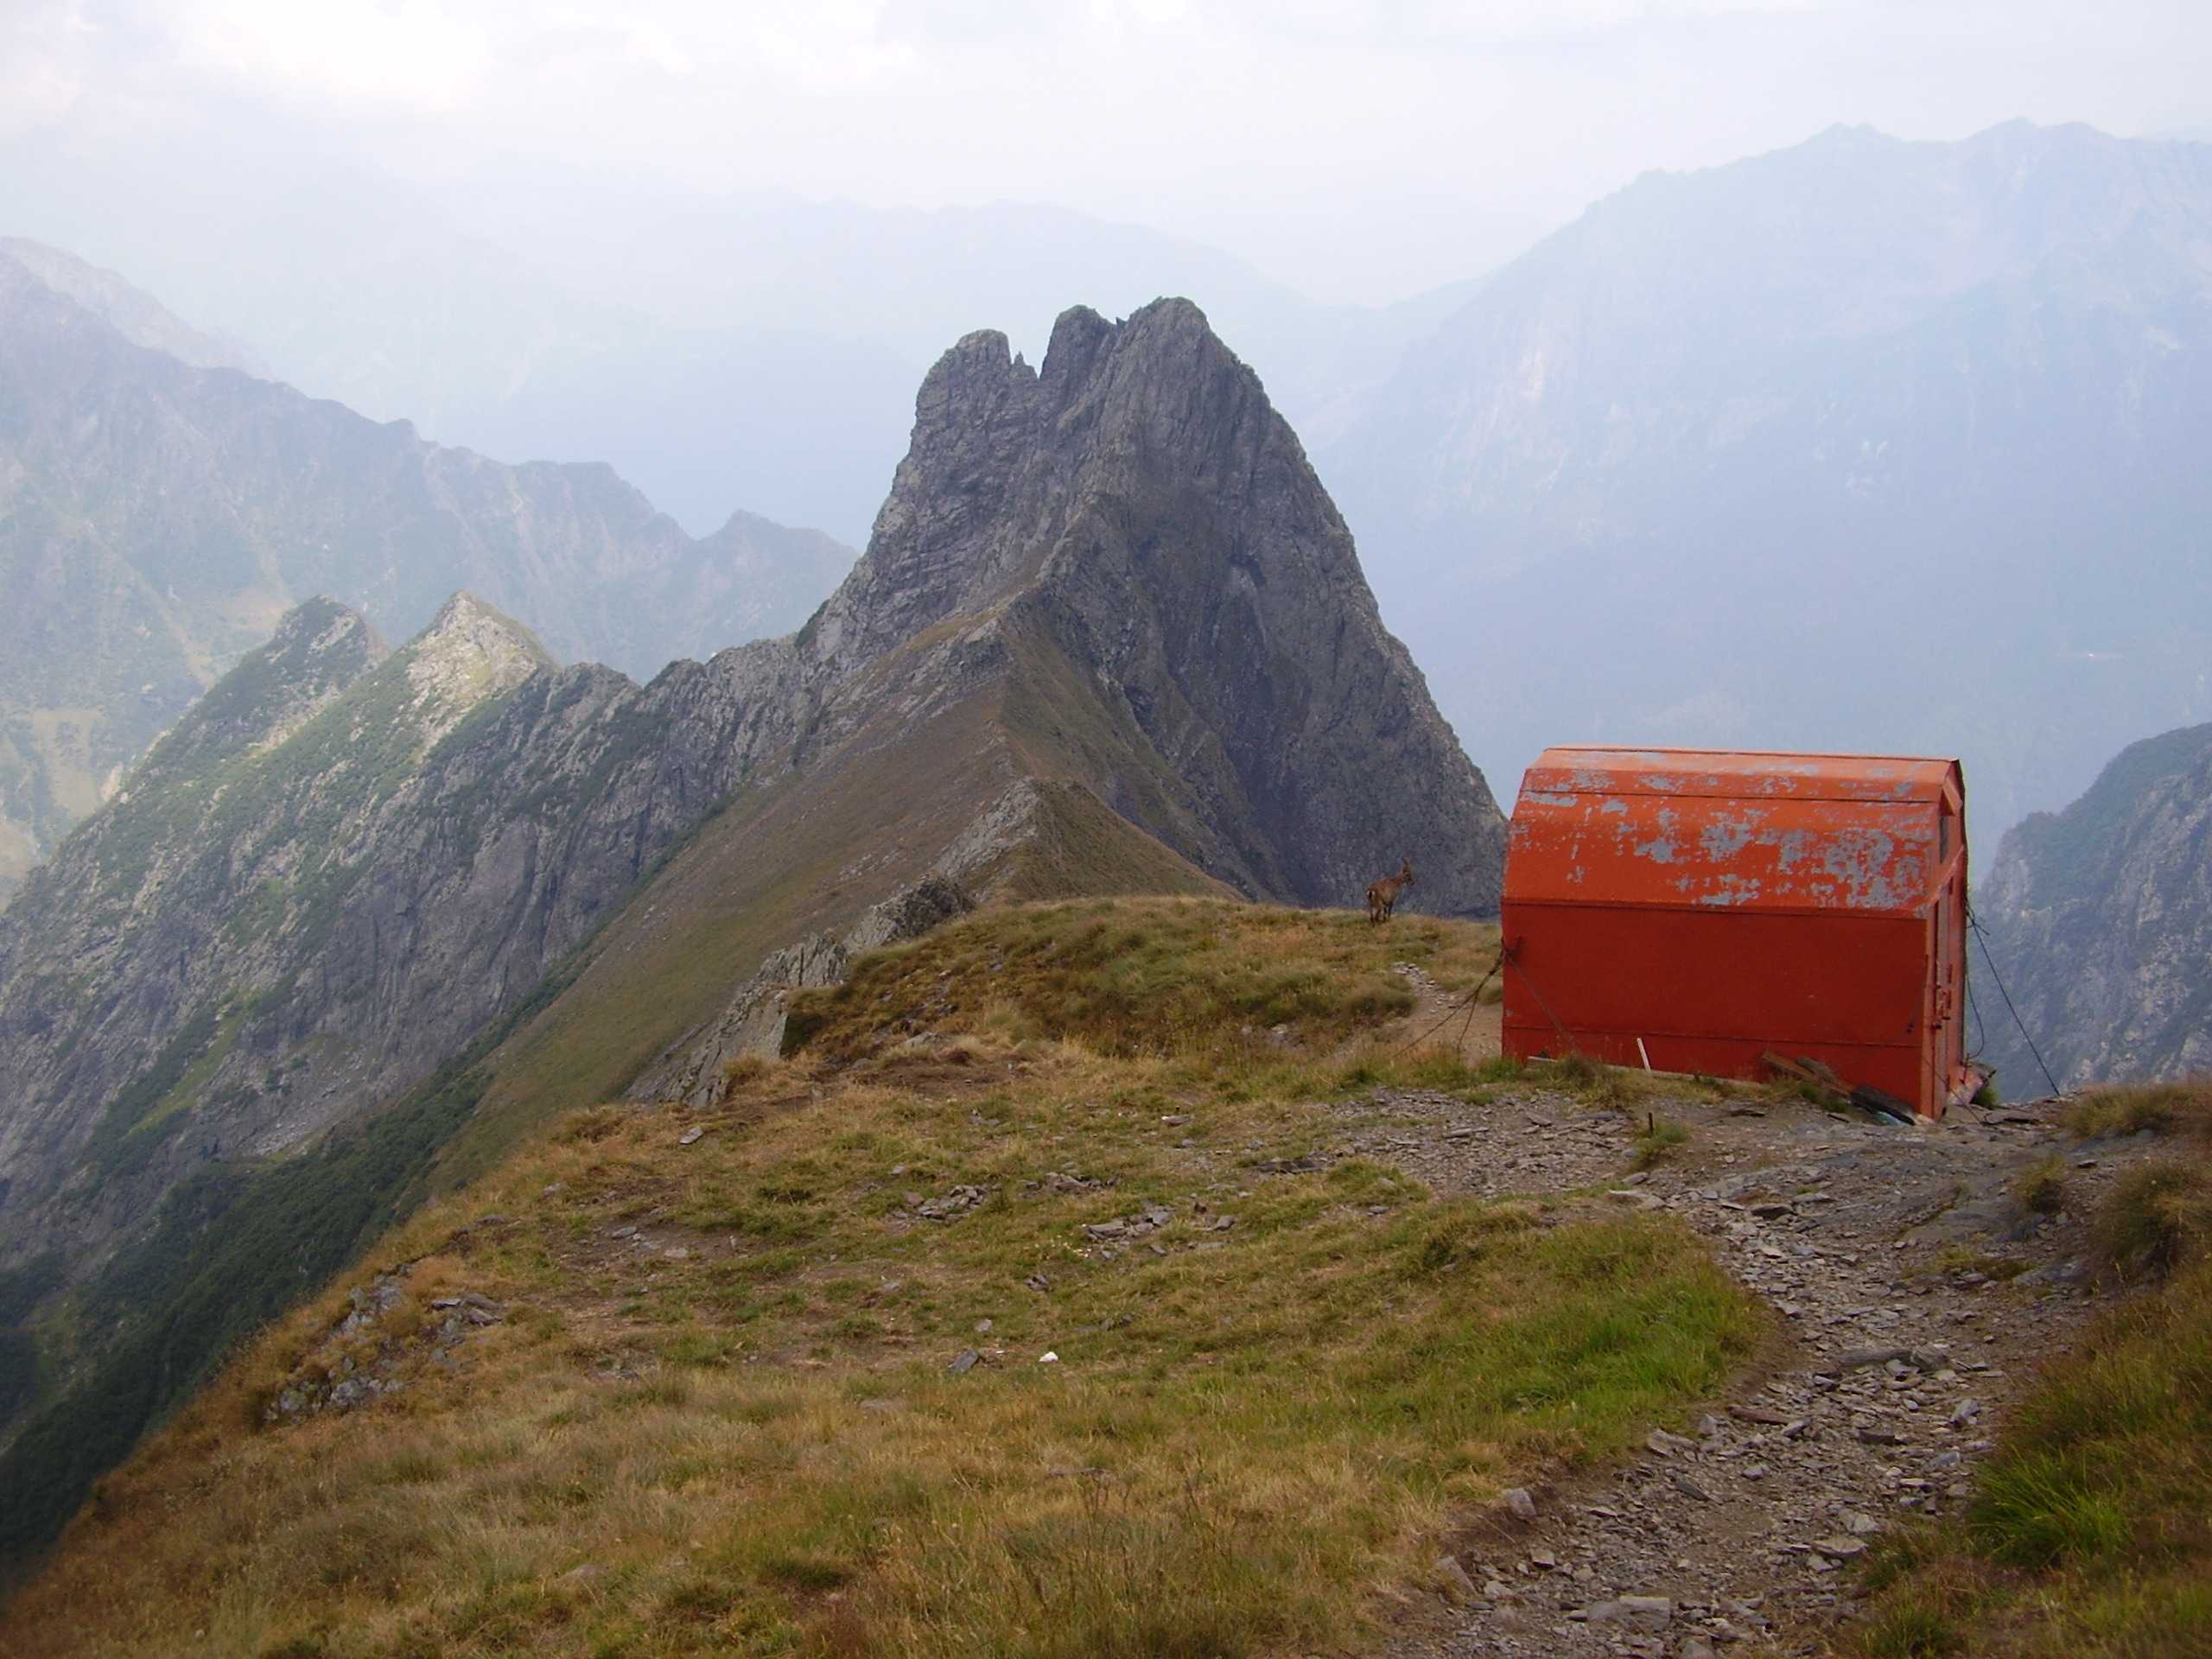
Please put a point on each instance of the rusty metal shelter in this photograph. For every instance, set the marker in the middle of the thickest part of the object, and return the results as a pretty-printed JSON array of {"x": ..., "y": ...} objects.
[{"x": 1699, "y": 911}]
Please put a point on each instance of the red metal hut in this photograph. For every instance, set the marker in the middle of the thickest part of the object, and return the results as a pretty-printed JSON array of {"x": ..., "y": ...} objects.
[{"x": 1718, "y": 907}]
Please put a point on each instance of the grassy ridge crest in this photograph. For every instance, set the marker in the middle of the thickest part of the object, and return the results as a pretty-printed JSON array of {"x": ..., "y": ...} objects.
[{"x": 720, "y": 1412}]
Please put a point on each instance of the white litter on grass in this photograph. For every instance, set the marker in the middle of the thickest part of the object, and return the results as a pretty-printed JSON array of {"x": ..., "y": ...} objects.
[{"x": 1048, "y": 1357}]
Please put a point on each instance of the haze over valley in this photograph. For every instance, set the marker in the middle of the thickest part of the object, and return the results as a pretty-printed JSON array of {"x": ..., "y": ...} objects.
[{"x": 1677, "y": 473}]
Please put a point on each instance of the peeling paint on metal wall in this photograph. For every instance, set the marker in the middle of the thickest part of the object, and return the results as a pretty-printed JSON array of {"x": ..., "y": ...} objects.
[
  {"x": 1876, "y": 858},
  {"x": 1822, "y": 880}
]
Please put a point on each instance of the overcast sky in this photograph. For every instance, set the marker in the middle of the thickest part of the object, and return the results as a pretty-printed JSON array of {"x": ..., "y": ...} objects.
[{"x": 1356, "y": 148}]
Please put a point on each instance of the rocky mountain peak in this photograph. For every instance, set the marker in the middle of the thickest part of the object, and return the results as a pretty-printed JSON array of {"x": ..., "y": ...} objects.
[
  {"x": 974, "y": 397},
  {"x": 975, "y": 418},
  {"x": 1164, "y": 361},
  {"x": 468, "y": 618},
  {"x": 1162, "y": 384},
  {"x": 1004, "y": 456},
  {"x": 471, "y": 652},
  {"x": 1078, "y": 334},
  {"x": 1139, "y": 503},
  {"x": 319, "y": 625}
]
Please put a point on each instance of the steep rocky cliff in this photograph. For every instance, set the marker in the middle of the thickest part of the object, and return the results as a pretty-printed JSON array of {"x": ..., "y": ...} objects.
[
  {"x": 2101, "y": 918},
  {"x": 156, "y": 518},
  {"x": 201, "y": 973},
  {"x": 245, "y": 1005},
  {"x": 1138, "y": 510},
  {"x": 362, "y": 919}
]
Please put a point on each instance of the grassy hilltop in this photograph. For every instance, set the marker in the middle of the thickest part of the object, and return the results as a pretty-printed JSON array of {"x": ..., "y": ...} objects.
[{"x": 774, "y": 1379}]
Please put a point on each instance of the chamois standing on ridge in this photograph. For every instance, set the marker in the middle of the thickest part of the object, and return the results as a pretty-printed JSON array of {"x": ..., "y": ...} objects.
[{"x": 1382, "y": 896}]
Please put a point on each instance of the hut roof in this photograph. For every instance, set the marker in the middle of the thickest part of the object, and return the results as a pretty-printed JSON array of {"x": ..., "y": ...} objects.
[{"x": 1695, "y": 828}]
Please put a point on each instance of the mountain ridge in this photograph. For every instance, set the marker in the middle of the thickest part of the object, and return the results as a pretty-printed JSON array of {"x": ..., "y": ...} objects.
[
  {"x": 159, "y": 518},
  {"x": 131, "y": 312},
  {"x": 1108, "y": 634},
  {"x": 1733, "y": 430}
]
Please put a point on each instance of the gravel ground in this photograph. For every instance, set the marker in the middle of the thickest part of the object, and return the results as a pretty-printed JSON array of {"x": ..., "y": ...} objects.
[{"x": 1916, "y": 1295}]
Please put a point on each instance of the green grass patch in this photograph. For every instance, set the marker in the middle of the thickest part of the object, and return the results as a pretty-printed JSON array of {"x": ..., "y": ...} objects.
[
  {"x": 1660, "y": 1139},
  {"x": 2090, "y": 1536},
  {"x": 2157, "y": 1216},
  {"x": 1141, "y": 977},
  {"x": 1595, "y": 1081}
]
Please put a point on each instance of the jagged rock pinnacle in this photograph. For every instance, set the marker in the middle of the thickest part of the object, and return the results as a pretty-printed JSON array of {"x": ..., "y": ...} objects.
[{"x": 1142, "y": 498}]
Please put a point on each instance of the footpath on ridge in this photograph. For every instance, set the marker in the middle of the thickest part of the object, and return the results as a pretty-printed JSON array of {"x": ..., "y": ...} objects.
[{"x": 1914, "y": 1296}]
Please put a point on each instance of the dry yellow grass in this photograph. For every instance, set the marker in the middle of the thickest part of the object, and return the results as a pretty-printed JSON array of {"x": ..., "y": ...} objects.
[
  {"x": 2182, "y": 1108},
  {"x": 743, "y": 1437}
]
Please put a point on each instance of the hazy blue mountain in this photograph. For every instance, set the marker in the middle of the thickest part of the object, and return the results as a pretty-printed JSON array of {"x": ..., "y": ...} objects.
[
  {"x": 136, "y": 315},
  {"x": 754, "y": 349},
  {"x": 822, "y": 267},
  {"x": 156, "y": 518},
  {"x": 1860, "y": 444},
  {"x": 2101, "y": 920}
]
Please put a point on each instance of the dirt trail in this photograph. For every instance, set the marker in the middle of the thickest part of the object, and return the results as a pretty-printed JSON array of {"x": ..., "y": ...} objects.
[
  {"x": 1916, "y": 1293},
  {"x": 1442, "y": 1021}
]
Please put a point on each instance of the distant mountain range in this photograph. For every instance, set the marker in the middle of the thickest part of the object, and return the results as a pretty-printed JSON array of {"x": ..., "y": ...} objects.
[
  {"x": 1859, "y": 444},
  {"x": 1863, "y": 444},
  {"x": 754, "y": 349},
  {"x": 135, "y": 315},
  {"x": 159, "y": 512},
  {"x": 364, "y": 916},
  {"x": 2099, "y": 920}
]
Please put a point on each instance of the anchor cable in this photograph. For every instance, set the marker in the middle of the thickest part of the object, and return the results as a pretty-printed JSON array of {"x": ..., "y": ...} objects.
[
  {"x": 1997, "y": 979},
  {"x": 1566, "y": 1036}
]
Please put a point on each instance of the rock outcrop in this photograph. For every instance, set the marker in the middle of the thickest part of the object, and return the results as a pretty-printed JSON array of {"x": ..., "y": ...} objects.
[
  {"x": 384, "y": 1332},
  {"x": 696, "y": 1071},
  {"x": 2101, "y": 920},
  {"x": 1138, "y": 510},
  {"x": 220, "y": 962}
]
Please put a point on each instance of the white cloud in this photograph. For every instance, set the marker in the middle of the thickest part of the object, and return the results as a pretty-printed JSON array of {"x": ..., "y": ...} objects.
[
  {"x": 44, "y": 49},
  {"x": 409, "y": 52},
  {"x": 824, "y": 45},
  {"x": 1297, "y": 132}
]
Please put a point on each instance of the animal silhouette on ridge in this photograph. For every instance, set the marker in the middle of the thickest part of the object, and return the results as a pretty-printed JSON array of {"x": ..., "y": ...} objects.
[{"x": 1382, "y": 896}]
